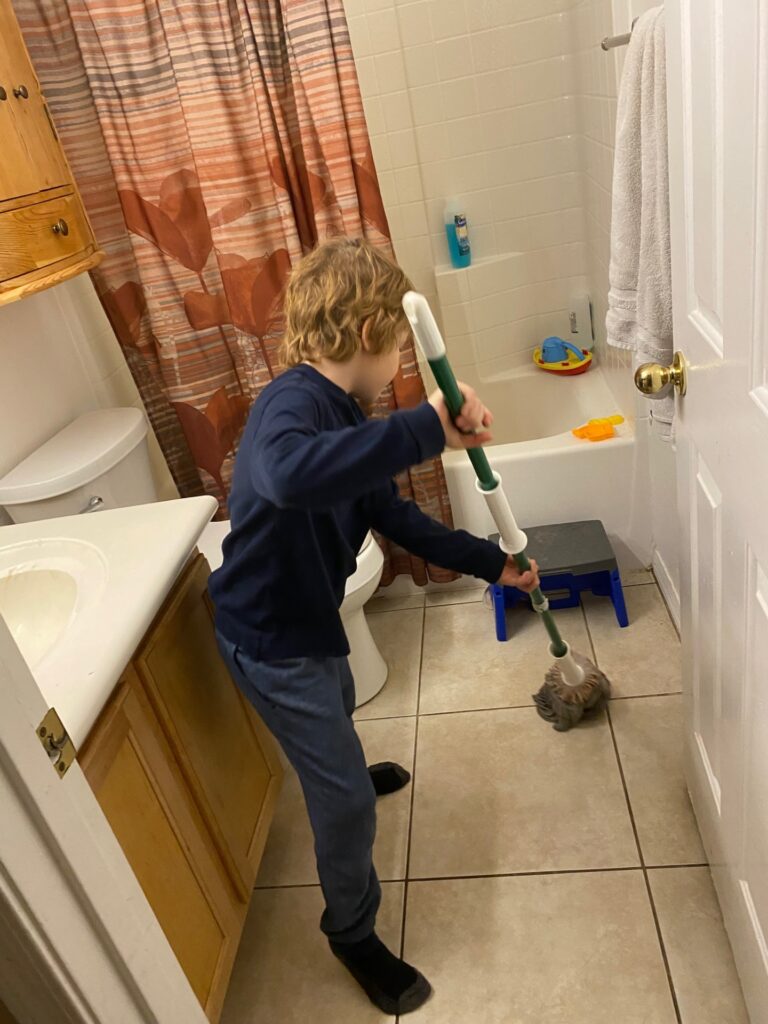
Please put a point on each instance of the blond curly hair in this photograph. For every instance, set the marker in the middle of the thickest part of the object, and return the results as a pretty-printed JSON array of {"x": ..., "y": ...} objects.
[{"x": 332, "y": 291}]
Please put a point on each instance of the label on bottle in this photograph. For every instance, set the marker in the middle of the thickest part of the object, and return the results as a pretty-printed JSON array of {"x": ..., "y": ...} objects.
[{"x": 462, "y": 234}]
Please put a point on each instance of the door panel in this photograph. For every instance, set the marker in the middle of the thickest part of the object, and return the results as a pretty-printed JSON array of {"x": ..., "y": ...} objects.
[
  {"x": 706, "y": 591},
  {"x": 717, "y": 86}
]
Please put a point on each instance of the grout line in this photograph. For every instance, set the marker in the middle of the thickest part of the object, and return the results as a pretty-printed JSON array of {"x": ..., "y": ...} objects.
[
  {"x": 505, "y": 707},
  {"x": 648, "y": 696},
  {"x": 644, "y": 868},
  {"x": 504, "y": 874}
]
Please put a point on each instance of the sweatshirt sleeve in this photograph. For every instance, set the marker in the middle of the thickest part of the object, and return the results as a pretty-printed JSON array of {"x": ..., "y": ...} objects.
[
  {"x": 295, "y": 465},
  {"x": 405, "y": 524}
]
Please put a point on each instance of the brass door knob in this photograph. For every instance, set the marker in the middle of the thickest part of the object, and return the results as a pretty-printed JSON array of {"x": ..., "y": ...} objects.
[
  {"x": 657, "y": 381},
  {"x": 60, "y": 227},
  {"x": 22, "y": 93}
]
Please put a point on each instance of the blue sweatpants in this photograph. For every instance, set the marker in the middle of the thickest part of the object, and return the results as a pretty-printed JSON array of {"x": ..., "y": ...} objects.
[{"x": 307, "y": 705}]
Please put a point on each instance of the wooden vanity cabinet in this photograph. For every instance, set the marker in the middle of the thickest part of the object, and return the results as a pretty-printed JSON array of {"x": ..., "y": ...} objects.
[
  {"x": 45, "y": 236},
  {"x": 187, "y": 776}
]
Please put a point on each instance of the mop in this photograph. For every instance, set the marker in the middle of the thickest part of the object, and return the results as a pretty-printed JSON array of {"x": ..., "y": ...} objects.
[{"x": 573, "y": 684}]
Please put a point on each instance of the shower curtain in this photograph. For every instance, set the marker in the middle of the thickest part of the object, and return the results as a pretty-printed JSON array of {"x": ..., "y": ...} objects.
[{"x": 213, "y": 144}]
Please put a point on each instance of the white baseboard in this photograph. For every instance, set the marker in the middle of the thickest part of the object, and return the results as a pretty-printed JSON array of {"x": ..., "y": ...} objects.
[{"x": 667, "y": 587}]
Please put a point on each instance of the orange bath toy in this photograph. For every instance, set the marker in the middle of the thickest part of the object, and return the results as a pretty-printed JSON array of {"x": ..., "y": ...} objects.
[{"x": 598, "y": 430}]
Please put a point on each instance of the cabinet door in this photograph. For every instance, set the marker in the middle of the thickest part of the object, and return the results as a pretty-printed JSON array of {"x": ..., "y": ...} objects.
[
  {"x": 130, "y": 768},
  {"x": 226, "y": 752},
  {"x": 32, "y": 159}
]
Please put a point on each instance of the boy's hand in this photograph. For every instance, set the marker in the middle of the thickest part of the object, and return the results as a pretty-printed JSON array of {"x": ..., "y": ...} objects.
[
  {"x": 470, "y": 429},
  {"x": 512, "y": 577}
]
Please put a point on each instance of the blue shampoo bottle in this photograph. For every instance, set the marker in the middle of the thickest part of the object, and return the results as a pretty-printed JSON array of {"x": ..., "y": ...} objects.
[{"x": 458, "y": 235}]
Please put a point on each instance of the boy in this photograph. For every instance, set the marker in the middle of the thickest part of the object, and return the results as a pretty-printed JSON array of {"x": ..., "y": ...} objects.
[{"x": 312, "y": 477}]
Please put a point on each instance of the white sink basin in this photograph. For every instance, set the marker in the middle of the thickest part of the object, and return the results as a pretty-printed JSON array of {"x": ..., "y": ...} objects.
[{"x": 45, "y": 588}]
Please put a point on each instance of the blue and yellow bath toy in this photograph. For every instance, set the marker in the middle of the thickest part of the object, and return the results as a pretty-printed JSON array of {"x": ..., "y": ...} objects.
[{"x": 558, "y": 356}]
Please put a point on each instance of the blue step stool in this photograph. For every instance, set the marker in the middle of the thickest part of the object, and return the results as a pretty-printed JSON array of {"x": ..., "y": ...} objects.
[{"x": 572, "y": 558}]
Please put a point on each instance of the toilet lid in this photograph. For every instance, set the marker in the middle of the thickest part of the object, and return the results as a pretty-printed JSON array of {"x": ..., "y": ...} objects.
[{"x": 87, "y": 447}]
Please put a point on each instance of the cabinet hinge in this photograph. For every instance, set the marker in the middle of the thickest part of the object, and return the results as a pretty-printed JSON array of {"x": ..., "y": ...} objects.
[{"x": 56, "y": 742}]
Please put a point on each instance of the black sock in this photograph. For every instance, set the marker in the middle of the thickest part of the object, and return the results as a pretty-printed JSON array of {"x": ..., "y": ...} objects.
[
  {"x": 388, "y": 777},
  {"x": 390, "y": 983}
]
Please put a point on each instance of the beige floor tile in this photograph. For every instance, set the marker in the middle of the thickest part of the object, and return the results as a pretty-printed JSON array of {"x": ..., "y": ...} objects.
[
  {"x": 500, "y": 791},
  {"x": 289, "y": 858},
  {"x": 644, "y": 658},
  {"x": 649, "y": 735},
  {"x": 285, "y": 973},
  {"x": 381, "y": 602},
  {"x": 465, "y": 667},
  {"x": 553, "y": 949},
  {"x": 636, "y": 577},
  {"x": 398, "y": 636},
  {"x": 457, "y": 595},
  {"x": 700, "y": 958}
]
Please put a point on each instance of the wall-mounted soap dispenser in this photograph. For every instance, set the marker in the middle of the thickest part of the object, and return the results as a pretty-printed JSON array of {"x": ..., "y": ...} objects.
[{"x": 580, "y": 330}]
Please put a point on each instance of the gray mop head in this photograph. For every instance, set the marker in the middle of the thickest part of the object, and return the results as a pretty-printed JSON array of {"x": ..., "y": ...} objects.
[{"x": 565, "y": 705}]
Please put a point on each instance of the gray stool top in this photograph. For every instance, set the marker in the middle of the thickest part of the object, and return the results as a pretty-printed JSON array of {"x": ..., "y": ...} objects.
[{"x": 569, "y": 547}]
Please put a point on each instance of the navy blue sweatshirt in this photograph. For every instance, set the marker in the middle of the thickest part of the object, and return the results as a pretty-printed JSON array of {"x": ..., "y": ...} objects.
[{"x": 312, "y": 476}]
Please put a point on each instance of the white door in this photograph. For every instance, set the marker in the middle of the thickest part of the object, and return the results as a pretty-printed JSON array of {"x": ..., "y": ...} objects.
[
  {"x": 78, "y": 941},
  {"x": 718, "y": 128}
]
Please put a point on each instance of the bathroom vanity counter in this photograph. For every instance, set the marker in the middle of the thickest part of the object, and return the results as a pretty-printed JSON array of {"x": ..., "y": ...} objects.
[{"x": 92, "y": 586}]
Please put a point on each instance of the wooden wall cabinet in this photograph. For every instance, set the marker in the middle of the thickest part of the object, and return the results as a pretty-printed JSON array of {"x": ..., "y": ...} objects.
[
  {"x": 187, "y": 776},
  {"x": 45, "y": 235}
]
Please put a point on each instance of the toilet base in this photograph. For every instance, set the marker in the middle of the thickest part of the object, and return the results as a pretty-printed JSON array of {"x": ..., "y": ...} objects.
[{"x": 369, "y": 669}]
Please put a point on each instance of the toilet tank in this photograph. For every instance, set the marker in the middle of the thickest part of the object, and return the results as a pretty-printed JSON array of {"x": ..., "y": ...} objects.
[{"x": 100, "y": 460}]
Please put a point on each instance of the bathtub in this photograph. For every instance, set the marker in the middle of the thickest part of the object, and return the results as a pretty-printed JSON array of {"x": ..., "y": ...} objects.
[{"x": 549, "y": 475}]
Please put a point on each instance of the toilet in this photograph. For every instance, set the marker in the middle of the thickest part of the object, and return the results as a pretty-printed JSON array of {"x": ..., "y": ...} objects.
[
  {"x": 100, "y": 460},
  {"x": 368, "y": 666}
]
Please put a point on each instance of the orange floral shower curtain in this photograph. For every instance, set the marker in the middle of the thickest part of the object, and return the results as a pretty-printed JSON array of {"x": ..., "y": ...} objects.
[{"x": 214, "y": 142}]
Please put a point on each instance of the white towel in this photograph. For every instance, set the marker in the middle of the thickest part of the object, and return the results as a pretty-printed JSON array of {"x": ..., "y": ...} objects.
[{"x": 640, "y": 297}]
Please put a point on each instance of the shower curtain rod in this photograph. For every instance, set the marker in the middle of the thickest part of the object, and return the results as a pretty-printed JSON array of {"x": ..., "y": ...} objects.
[{"x": 611, "y": 42}]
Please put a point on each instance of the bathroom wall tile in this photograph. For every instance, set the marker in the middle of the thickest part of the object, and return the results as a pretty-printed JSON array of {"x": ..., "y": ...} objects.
[
  {"x": 649, "y": 737},
  {"x": 432, "y": 142},
  {"x": 289, "y": 857},
  {"x": 374, "y": 115},
  {"x": 366, "y": 75},
  {"x": 427, "y": 104},
  {"x": 449, "y": 18},
  {"x": 699, "y": 953},
  {"x": 507, "y": 798},
  {"x": 509, "y": 271},
  {"x": 454, "y": 59},
  {"x": 402, "y": 148},
  {"x": 384, "y": 31},
  {"x": 529, "y": 963},
  {"x": 398, "y": 636},
  {"x": 408, "y": 184},
  {"x": 415, "y": 23},
  {"x": 465, "y": 136},
  {"x": 414, "y": 220},
  {"x": 381, "y": 153},
  {"x": 458, "y": 320},
  {"x": 397, "y": 111},
  {"x": 359, "y": 35},
  {"x": 484, "y": 241},
  {"x": 420, "y": 65},
  {"x": 452, "y": 286},
  {"x": 459, "y": 98},
  {"x": 390, "y": 72},
  {"x": 284, "y": 970}
]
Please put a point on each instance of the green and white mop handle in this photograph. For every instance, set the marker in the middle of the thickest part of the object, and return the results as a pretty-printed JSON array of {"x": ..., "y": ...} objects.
[{"x": 513, "y": 541}]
